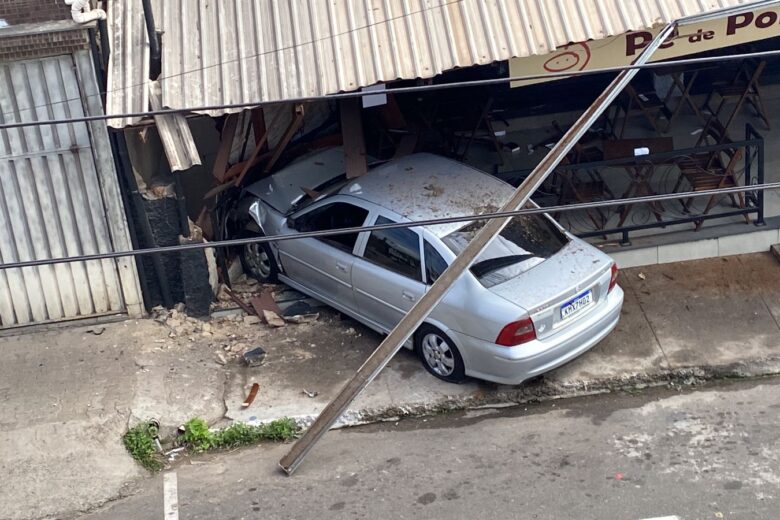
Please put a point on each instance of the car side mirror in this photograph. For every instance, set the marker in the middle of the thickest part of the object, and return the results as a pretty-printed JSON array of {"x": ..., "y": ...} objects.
[{"x": 292, "y": 223}]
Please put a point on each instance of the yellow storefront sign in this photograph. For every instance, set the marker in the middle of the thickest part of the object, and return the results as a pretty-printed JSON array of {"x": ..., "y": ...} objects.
[{"x": 621, "y": 50}]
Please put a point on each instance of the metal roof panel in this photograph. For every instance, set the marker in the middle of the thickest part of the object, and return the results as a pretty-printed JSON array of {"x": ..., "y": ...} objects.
[{"x": 237, "y": 51}]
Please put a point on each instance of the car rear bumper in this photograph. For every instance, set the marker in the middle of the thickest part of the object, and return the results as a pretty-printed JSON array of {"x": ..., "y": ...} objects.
[{"x": 513, "y": 365}]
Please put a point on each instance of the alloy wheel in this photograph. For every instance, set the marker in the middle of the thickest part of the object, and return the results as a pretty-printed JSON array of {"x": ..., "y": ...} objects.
[
  {"x": 258, "y": 260},
  {"x": 438, "y": 354}
]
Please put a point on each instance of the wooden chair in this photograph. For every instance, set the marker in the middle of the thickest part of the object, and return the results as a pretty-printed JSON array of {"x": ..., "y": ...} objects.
[
  {"x": 480, "y": 120},
  {"x": 586, "y": 184},
  {"x": 648, "y": 103},
  {"x": 712, "y": 170},
  {"x": 744, "y": 88}
]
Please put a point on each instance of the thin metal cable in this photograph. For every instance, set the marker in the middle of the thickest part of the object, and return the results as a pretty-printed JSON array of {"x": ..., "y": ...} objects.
[
  {"x": 400, "y": 90},
  {"x": 377, "y": 227}
]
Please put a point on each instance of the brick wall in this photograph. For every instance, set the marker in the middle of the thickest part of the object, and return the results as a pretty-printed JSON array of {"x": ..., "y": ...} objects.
[
  {"x": 41, "y": 45},
  {"x": 16, "y": 12}
]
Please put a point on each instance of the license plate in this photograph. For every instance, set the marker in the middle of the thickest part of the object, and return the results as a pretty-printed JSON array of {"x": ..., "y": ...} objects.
[{"x": 576, "y": 305}]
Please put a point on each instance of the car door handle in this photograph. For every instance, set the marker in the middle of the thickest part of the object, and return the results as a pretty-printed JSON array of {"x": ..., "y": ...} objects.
[
  {"x": 409, "y": 296},
  {"x": 341, "y": 267}
]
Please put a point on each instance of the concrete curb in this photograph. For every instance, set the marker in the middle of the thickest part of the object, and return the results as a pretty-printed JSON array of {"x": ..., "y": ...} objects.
[{"x": 541, "y": 391}]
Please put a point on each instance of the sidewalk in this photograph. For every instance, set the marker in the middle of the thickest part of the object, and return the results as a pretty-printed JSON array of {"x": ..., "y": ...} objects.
[{"x": 68, "y": 394}]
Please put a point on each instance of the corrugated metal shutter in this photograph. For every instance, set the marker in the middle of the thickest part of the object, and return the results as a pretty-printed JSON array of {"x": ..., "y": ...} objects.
[{"x": 59, "y": 197}]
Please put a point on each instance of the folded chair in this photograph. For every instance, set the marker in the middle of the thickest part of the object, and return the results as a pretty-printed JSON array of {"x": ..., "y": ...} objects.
[
  {"x": 712, "y": 170},
  {"x": 743, "y": 88}
]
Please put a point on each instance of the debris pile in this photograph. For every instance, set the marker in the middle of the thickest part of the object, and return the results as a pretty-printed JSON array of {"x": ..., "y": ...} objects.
[{"x": 240, "y": 318}]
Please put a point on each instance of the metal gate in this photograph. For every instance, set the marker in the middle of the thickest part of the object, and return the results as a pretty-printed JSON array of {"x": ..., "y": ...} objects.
[{"x": 59, "y": 197}]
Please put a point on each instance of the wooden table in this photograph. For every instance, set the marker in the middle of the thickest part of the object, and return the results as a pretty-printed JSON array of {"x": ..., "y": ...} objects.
[{"x": 640, "y": 172}]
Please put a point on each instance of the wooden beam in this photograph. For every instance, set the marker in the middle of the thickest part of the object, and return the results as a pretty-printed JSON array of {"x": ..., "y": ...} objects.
[
  {"x": 354, "y": 141},
  {"x": 259, "y": 145},
  {"x": 225, "y": 145},
  {"x": 259, "y": 128},
  {"x": 295, "y": 125},
  {"x": 407, "y": 145},
  {"x": 395, "y": 340},
  {"x": 391, "y": 114}
]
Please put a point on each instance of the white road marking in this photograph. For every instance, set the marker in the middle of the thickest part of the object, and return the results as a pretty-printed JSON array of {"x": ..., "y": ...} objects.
[
  {"x": 170, "y": 496},
  {"x": 675, "y": 517}
]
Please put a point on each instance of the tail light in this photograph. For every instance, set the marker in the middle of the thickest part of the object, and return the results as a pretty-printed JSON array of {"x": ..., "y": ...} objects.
[
  {"x": 517, "y": 332},
  {"x": 613, "y": 280}
]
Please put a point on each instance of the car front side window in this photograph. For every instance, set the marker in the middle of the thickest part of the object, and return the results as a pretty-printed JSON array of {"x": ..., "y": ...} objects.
[
  {"x": 434, "y": 263},
  {"x": 337, "y": 215},
  {"x": 397, "y": 250}
]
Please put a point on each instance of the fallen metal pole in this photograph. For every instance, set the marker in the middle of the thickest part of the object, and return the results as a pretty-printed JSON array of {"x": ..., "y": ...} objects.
[{"x": 419, "y": 312}]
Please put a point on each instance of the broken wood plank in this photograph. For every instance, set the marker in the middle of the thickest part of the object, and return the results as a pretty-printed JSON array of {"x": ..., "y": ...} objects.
[
  {"x": 264, "y": 302},
  {"x": 310, "y": 193}
]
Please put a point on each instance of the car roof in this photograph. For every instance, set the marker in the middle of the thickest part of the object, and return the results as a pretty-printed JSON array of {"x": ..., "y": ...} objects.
[{"x": 425, "y": 186}]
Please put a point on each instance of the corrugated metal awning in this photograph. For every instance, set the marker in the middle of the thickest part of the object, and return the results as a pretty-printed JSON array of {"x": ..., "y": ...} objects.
[
  {"x": 175, "y": 134},
  {"x": 238, "y": 51}
]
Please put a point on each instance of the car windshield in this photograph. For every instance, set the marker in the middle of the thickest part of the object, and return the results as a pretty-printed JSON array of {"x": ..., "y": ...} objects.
[
  {"x": 525, "y": 242},
  {"x": 326, "y": 189}
]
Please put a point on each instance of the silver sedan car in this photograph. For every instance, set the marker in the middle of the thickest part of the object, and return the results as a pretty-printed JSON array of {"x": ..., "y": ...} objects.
[{"x": 537, "y": 298}]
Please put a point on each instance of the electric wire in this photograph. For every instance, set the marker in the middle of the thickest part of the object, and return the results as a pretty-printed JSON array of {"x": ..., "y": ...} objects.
[
  {"x": 395, "y": 225},
  {"x": 399, "y": 90}
]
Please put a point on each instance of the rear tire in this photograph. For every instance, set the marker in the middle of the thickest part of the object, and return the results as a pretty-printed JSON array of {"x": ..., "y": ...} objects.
[
  {"x": 258, "y": 260},
  {"x": 439, "y": 355}
]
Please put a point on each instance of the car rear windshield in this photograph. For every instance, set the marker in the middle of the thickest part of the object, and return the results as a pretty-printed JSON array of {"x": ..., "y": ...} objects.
[{"x": 525, "y": 242}]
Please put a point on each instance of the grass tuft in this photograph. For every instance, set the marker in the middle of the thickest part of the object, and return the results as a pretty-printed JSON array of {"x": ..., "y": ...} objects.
[
  {"x": 199, "y": 438},
  {"x": 139, "y": 442}
]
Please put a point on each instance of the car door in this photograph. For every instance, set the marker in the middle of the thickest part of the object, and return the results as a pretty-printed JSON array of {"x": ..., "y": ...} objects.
[
  {"x": 387, "y": 274},
  {"x": 323, "y": 265}
]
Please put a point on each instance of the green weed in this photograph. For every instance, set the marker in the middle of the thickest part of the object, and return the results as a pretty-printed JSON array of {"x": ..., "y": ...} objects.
[
  {"x": 279, "y": 430},
  {"x": 139, "y": 442},
  {"x": 197, "y": 435},
  {"x": 199, "y": 438}
]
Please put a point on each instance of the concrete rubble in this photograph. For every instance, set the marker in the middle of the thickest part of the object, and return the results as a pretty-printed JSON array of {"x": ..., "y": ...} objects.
[{"x": 69, "y": 392}]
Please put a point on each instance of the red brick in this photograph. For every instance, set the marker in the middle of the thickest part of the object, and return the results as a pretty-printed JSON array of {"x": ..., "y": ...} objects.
[
  {"x": 39, "y": 46},
  {"x": 30, "y": 11}
]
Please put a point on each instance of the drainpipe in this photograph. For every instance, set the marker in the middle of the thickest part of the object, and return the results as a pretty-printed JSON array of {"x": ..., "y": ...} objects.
[
  {"x": 155, "y": 59},
  {"x": 105, "y": 44},
  {"x": 155, "y": 68}
]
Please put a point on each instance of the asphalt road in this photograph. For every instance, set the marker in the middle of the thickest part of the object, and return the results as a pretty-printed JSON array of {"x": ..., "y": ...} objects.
[{"x": 711, "y": 453}]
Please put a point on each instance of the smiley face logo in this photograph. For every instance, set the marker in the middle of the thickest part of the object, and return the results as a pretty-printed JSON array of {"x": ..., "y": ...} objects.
[{"x": 572, "y": 57}]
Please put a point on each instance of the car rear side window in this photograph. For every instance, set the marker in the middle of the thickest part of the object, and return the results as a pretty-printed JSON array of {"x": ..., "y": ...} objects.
[
  {"x": 434, "y": 263},
  {"x": 334, "y": 216},
  {"x": 397, "y": 250}
]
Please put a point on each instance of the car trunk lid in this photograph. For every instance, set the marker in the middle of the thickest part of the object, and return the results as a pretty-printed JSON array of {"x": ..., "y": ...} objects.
[{"x": 565, "y": 278}]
